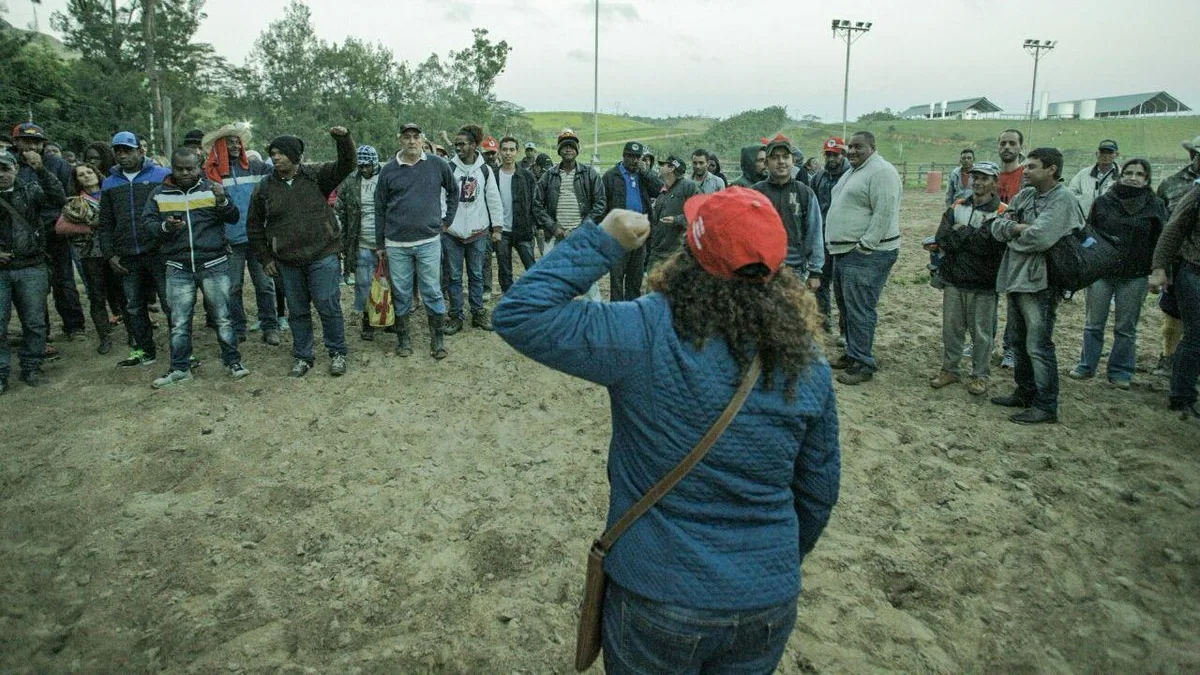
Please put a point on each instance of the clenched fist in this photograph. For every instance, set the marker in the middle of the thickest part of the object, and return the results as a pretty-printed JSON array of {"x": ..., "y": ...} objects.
[{"x": 629, "y": 228}]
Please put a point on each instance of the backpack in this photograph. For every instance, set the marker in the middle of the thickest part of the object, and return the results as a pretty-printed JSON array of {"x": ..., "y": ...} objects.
[{"x": 1082, "y": 257}]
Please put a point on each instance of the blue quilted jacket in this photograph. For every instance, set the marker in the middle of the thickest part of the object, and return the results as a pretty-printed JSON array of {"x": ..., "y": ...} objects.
[{"x": 732, "y": 534}]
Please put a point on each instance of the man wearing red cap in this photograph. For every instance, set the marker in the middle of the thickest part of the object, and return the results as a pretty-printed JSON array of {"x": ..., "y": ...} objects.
[
  {"x": 798, "y": 208},
  {"x": 822, "y": 184}
]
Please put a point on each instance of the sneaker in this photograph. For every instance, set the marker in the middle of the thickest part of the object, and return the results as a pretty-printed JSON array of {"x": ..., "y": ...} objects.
[
  {"x": 1080, "y": 373},
  {"x": 172, "y": 378},
  {"x": 454, "y": 324},
  {"x": 137, "y": 357},
  {"x": 1034, "y": 416},
  {"x": 337, "y": 365},
  {"x": 1163, "y": 367},
  {"x": 1123, "y": 385},
  {"x": 271, "y": 337},
  {"x": 976, "y": 386},
  {"x": 35, "y": 378},
  {"x": 283, "y": 323},
  {"x": 943, "y": 379},
  {"x": 300, "y": 368},
  {"x": 480, "y": 320},
  {"x": 237, "y": 371},
  {"x": 1009, "y": 361},
  {"x": 855, "y": 374}
]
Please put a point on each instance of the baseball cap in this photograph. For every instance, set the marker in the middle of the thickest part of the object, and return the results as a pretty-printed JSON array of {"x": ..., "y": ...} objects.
[
  {"x": 780, "y": 141},
  {"x": 676, "y": 164},
  {"x": 410, "y": 127},
  {"x": 194, "y": 136},
  {"x": 531, "y": 146},
  {"x": 633, "y": 148},
  {"x": 1192, "y": 145},
  {"x": 28, "y": 130},
  {"x": 734, "y": 228},
  {"x": 125, "y": 139},
  {"x": 490, "y": 145},
  {"x": 1108, "y": 145},
  {"x": 7, "y": 157},
  {"x": 985, "y": 168},
  {"x": 835, "y": 144}
]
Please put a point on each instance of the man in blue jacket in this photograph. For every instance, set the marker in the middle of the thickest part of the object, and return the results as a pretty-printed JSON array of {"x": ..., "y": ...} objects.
[
  {"x": 628, "y": 186},
  {"x": 130, "y": 250},
  {"x": 188, "y": 214}
]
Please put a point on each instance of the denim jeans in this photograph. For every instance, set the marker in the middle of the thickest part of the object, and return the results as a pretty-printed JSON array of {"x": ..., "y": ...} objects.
[
  {"x": 646, "y": 637},
  {"x": 1185, "y": 366},
  {"x": 1032, "y": 316},
  {"x": 1129, "y": 295},
  {"x": 859, "y": 279},
  {"x": 425, "y": 262},
  {"x": 104, "y": 290},
  {"x": 504, "y": 256},
  {"x": 825, "y": 293},
  {"x": 62, "y": 283},
  {"x": 967, "y": 310},
  {"x": 181, "y": 295},
  {"x": 625, "y": 280},
  {"x": 240, "y": 257},
  {"x": 146, "y": 271},
  {"x": 488, "y": 253},
  {"x": 454, "y": 252},
  {"x": 364, "y": 273},
  {"x": 26, "y": 289},
  {"x": 317, "y": 283},
  {"x": 593, "y": 293}
]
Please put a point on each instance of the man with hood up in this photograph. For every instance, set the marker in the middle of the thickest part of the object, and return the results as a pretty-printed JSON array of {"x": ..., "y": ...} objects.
[{"x": 754, "y": 165}]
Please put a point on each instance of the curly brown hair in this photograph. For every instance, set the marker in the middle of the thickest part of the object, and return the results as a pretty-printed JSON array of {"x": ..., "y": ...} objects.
[{"x": 778, "y": 319}]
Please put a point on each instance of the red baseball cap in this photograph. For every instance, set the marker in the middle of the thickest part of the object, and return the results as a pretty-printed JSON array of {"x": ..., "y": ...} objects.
[
  {"x": 835, "y": 144},
  {"x": 490, "y": 145},
  {"x": 733, "y": 228}
]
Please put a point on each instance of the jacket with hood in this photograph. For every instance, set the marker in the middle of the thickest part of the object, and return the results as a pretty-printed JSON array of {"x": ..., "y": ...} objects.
[
  {"x": 480, "y": 208},
  {"x": 121, "y": 205},
  {"x": 1051, "y": 217},
  {"x": 614, "y": 189},
  {"x": 295, "y": 223},
  {"x": 972, "y": 254},
  {"x": 822, "y": 185},
  {"x": 202, "y": 241},
  {"x": 589, "y": 190},
  {"x": 749, "y": 175},
  {"x": 1135, "y": 217},
  {"x": 239, "y": 184},
  {"x": 24, "y": 238},
  {"x": 797, "y": 207},
  {"x": 1089, "y": 184},
  {"x": 667, "y": 238}
]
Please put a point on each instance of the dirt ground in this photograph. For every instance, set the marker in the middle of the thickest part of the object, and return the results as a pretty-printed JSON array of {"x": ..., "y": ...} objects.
[{"x": 421, "y": 516}]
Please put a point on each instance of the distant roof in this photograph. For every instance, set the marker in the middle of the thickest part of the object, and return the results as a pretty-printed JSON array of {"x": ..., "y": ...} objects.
[
  {"x": 979, "y": 104},
  {"x": 1151, "y": 102}
]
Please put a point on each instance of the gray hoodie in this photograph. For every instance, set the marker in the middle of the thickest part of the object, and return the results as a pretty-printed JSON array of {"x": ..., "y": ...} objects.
[{"x": 1051, "y": 216}]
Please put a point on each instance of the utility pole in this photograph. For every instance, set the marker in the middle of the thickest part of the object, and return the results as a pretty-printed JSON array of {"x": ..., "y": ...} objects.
[
  {"x": 596, "y": 93},
  {"x": 850, "y": 31},
  {"x": 1035, "y": 49}
]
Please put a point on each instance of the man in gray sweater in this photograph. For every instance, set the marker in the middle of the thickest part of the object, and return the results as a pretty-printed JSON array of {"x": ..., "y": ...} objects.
[
  {"x": 863, "y": 236},
  {"x": 1037, "y": 218}
]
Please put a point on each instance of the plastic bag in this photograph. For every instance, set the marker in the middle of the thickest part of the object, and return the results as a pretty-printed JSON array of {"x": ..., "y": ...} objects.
[{"x": 379, "y": 303}]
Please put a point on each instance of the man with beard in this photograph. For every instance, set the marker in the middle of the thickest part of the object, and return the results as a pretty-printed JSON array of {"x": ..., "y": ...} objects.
[
  {"x": 754, "y": 165},
  {"x": 822, "y": 184},
  {"x": 701, "y": 176},
  {"x": 1008, "y": 184}
]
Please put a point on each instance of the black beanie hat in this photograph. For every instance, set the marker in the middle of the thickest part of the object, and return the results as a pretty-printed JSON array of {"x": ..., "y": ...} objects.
[{"x": 290, "y": 146}]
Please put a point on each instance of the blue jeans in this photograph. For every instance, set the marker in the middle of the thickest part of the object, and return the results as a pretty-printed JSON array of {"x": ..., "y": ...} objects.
[
  {"x": 264, "y": 290},
  {"x": 504, "y": 256},
  {"x": 1031, "y": 317},
  {"x": 454, "y": 251},
  {"x": 1185, "y": 368},
  {"x": 425, "y": 261},
  {"x": 364, "y": 272},
  {"x": 317, "y": 283},
  {"x": 25, "y": 288},
  {"x": 181, "y": 294},
  {"x": 858, "y": 282},
  {"x": 1129, "y": 295},
  {"x": 646, "y": 637},
  {"x": 825, "y": 293},
  {"x": 146, "y": 271}
]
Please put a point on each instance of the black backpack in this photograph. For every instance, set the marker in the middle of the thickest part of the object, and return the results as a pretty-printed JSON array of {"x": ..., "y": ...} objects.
[{"x": 1082, "y": 257}]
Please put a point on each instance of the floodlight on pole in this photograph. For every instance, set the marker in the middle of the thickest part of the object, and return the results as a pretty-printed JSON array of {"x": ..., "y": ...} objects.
[
  {"x": 1035, "y": 49},
  {"x": 849, "y": 31},
  {"x": 596, "y": 93}
]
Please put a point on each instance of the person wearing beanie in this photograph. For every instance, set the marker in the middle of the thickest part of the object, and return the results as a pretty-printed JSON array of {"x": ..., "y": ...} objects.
[
  {"x": 571, "y": 194},
  {"x": 355, "y": 207},
  {"x": 230, "y": 163},
  {"x": 723, "y": 318},
  {"x": 294, "y": 231},
  {"x": 629, "y": 186}
]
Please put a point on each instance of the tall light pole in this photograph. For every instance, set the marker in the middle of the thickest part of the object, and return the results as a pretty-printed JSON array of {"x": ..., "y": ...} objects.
[
  {"x": 1035, "y": 49},
  {"x": 849, "y": 31},
  {"x": 596, "y": 94}
]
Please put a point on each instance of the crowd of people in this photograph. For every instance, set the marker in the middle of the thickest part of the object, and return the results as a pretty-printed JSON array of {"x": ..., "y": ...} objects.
[{"x": 145, "y": 235}]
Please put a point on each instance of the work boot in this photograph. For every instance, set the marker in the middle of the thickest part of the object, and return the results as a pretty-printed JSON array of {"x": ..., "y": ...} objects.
[
  {"x": 403, "y": 337},
  {"x": 481, "y": 320},
  {"x": 437, "y": 332},
  {"x": 453, "y": 325},
  {"x": 368, "y": 331}
]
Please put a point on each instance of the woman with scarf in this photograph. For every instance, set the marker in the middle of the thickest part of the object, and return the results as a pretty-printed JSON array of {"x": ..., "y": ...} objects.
[
  {"x": 1131, "y": 214},
  {"x": 80, "y": 217}
]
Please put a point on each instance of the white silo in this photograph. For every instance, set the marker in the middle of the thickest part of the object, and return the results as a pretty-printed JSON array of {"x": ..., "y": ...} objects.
[
  {"x": 1087, "y": 109},
  {"x": 1065, "y": 111},
  {"x": 1044, "y": 109}
]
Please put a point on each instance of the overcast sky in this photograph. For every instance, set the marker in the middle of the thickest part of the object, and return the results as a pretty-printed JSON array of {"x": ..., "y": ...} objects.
[{"x": 719, "y": 57}]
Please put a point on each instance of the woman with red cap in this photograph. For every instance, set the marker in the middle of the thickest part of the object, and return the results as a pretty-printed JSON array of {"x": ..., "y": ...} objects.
[{"x": 707, "y": 578}]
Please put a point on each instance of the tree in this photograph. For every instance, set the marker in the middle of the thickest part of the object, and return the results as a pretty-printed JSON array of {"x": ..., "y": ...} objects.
[
  {"x": 728, "y": 136},
  {"x": 885, "y": 115}
]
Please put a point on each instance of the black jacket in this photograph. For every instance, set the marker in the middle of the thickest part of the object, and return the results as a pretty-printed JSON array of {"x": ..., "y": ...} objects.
[
  {"x": 201, "y": 242},
  {"x": 25, "y": 237},
  {"x": 527, "y": 209},
  {"x": 750, "y": 175},
  {"x": 822, "y": 185},
  {"x": 973, "y": 255},
  {"x": 589, "y": 191},
  {"x": 1135, "y": 217},
  {"x": 666, "y": 238},
  {"x": 614, "y": 189},
  {"x": 59, "y": 169}
]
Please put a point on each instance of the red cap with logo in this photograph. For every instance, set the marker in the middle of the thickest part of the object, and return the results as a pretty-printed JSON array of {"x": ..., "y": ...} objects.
[
  {"x": 490, "y": 145},
  {"x": 835, "y": 144},
  {"x": 733, "y": 228}
]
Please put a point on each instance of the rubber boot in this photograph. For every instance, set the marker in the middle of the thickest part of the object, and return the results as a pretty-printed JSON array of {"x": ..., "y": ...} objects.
[
  {"x": 403, "y": 337},
  {"x": 368, "y": 331},
  {"x": 437, "y": 335}
]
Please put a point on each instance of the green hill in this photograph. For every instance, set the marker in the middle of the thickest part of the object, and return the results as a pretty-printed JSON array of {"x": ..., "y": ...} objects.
[{"x": 615, "y": 131}]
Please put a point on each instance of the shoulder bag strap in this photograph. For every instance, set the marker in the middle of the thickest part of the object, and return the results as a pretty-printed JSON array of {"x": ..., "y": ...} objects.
[{"x": 662, "y": 487}]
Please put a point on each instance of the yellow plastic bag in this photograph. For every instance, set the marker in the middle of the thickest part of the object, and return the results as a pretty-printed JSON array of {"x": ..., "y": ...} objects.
[{"x": 379, "y": 303}]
